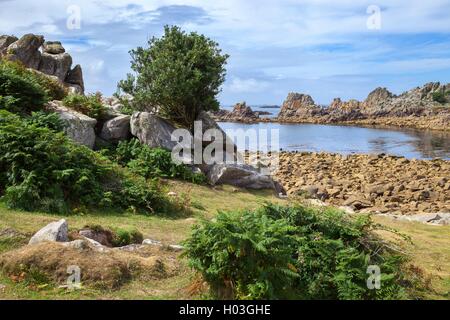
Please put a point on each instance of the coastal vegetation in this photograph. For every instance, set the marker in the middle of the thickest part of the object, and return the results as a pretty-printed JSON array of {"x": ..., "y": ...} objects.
[
  {"x": 171, "y": 234},
  {"x": 180, "y": 74}
]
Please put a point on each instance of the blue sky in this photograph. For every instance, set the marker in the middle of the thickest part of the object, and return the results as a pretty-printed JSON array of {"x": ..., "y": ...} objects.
[{"x": 320, "y": 47}]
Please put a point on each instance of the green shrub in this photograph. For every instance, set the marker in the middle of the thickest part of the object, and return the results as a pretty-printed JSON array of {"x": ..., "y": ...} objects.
[
  {"x": 48, "y": 120},
  {"x": 440, "y": 97},
  {"x": 20, "y": 92},
  {"x": 180, "y": 73},
  {"x": 11, "y": 72},
  {"x": 41, "y": 169},
  {"x": 90, "y": 105},
  {"x": 153, "y": 162},
  {"x": 126, "y": 237},
  {"x": 55, "y": 90},
  {"x": 293, "y": 253}
]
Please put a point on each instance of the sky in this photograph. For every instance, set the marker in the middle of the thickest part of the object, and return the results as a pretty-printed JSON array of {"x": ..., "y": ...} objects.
[{"x": 325, "y": 48}]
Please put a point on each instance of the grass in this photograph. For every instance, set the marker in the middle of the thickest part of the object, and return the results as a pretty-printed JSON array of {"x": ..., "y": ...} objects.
[
  {"x": 205, "y": 202},
  {"x": 430, "y": 250}
]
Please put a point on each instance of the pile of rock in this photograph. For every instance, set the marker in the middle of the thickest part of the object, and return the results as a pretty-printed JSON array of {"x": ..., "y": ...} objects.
[
  {"x": 414, "y": 108},
  {"x": 98, "y": 240},
  {"x": 48, "y": 57},
  {"x": 240, "y": 113},
  {"x": 383, "y": 184}
]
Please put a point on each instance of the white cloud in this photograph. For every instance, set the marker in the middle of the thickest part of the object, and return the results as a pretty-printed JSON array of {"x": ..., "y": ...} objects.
[
  {"x": 238, "y": 85},
  {"x": 288, "y": 41}
]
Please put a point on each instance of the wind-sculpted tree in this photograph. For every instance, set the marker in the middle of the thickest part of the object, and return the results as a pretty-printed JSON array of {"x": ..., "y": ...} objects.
[{"x": 178, "y": 76}]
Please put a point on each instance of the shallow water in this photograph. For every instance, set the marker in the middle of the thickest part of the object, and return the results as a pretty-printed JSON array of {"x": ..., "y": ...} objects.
[{"x": 409, "y": 143}]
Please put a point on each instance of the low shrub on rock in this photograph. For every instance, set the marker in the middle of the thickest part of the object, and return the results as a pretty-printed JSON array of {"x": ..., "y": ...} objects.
[
  {"x": 41, "y": 169},
  {"x": 90, "y": 105},
  {"x": 24, "y": 90},
  {"x": 294, "y": 253},
  {"x": 20, "y": 91},
  {"x": 49, "y": 120},
  {"x": 153, "y": 162}
]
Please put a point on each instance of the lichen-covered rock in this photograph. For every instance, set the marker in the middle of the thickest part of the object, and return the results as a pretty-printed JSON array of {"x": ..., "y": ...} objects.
[
  {"x": 55, "y": 231},
  {"x": 26, "y": 50},
  {"x": 53, "y": 47},
  {"x": 152, "y": 130},
  {"x": 79, "y": 127}
]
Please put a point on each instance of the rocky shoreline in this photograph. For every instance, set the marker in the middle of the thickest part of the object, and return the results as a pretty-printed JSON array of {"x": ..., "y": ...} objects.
[
  {"x": 426, "y": 107},
  {"x": 368, "y": 183}
]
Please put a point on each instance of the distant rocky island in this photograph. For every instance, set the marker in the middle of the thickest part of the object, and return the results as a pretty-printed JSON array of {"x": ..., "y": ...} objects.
[{"x": 426, "y": 107}]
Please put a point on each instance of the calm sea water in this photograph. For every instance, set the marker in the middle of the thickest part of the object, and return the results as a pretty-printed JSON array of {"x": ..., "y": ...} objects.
[{"x": 350, "y": 140}]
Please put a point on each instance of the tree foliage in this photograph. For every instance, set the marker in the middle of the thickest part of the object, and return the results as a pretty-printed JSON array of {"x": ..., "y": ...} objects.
[{"x": 178, "y": 75}]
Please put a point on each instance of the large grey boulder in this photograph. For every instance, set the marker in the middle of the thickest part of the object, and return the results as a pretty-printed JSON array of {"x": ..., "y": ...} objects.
[
  {"x": 239, "y": 175},
  {"x": 152, "y": 130},
  {"x": 26, "y": 50},
  {"x": 55, "y": 231},
  {"x": 116, "y": 129},
  {"x": 79, "y": 127},
  {"x": 5, "y": 42},
  {"x": 56, "y": 64}
]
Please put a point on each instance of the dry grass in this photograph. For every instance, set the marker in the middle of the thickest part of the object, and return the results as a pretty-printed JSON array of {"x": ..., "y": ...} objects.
[
  {"x": 428, "y": 249},
  {"x": 49, "y": 262}
]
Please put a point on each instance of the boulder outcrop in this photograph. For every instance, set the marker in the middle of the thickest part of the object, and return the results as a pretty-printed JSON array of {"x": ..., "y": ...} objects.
[
  {"x": 48, "y": 57},
  {"x": 299, "y": 106}
]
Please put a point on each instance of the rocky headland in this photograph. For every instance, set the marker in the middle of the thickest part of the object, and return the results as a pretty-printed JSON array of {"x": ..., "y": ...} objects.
[{"x": 426, "y": 107}]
